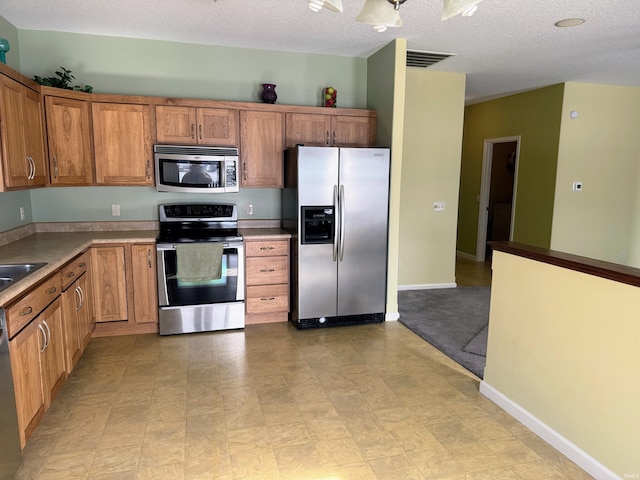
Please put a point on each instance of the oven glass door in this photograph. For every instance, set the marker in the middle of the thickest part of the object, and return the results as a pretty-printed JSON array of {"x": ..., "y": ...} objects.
[{"x": 228, "y": 288}]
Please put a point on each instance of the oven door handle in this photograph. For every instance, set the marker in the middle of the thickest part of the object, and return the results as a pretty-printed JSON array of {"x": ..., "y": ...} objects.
[{"x": 172, "y": 246}]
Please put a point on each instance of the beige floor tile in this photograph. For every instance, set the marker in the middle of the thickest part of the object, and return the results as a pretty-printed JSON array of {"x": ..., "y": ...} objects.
[{"x": 274, "y": 403}]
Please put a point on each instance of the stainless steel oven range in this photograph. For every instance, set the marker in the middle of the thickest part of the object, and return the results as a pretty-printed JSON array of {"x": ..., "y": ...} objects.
[{"x": 194, "y": 237}]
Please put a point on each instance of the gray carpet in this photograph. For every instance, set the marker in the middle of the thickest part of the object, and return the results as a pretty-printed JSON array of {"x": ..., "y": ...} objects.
[{"x": 454, "y": 320}]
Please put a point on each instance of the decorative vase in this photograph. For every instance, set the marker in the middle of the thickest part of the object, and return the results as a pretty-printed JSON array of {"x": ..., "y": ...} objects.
[{"x": 269, "y": 93}]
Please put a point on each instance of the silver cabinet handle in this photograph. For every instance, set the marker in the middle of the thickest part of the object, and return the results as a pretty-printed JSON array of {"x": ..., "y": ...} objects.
[
  {"x": 52, "y": 290},
  {"x": 200, "y": 131},
  {"x": 44, "y": 339},
  {"x": 79, "y": 302},
  {"x": 327, "y": 140},
  {"x": 148, "y": 169},
  {"x": 266, "y": 270},
  {"x": 46, "y": 325},
  {"x": 193, "y": 131},
  {"x": 267, "y": 299},
  {"x": 31, "y": 173},
  {"x": 55, "y": 167},
  {"x": 149, "y": 258},
  {"x": 266, "y": 248},
  {"x": 26, "y": 312},
  {"x": 244, "y": 171}
]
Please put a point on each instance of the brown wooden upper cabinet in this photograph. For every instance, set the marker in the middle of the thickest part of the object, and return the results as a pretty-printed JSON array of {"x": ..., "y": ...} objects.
[
  {"x": 69, "y": 136},
  {"x": 262, "y": 148},
  {"x": 191, "y": 125},
  {"x": 122, "y": 143},
  {"x": 22, "y": 135},
  {"x": 330, "y": 130}
]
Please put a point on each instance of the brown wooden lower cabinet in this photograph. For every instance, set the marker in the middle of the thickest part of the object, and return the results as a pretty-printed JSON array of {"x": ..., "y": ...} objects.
[
  {"x": 125, "y": 288},
  {"x": 267, "y": 278},
  {"x": 37, "y": 365}
]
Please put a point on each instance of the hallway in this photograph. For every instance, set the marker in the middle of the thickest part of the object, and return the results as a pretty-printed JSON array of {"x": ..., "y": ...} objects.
[{"x": 470, "y": 273}]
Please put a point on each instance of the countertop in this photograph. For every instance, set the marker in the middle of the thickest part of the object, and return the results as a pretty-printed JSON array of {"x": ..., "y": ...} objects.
[{"x": 58, "y": 248}]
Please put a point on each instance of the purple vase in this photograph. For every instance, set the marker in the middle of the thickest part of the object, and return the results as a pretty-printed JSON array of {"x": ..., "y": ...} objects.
[{"x": 269, "y": 93}]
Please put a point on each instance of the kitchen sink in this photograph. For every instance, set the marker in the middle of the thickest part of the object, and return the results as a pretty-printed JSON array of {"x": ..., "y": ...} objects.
[{"x": 10, "y": 273}]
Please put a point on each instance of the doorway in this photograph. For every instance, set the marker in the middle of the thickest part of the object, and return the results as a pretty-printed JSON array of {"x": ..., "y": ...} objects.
[{"x": 496, "y": 211}]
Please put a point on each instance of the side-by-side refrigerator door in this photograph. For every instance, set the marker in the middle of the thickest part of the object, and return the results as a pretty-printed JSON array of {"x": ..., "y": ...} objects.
[
  {"x": 317, "y": 270},
  {"x": 364, "y": 199}
]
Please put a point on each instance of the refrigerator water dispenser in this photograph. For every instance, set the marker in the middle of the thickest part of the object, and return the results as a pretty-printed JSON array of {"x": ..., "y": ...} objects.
[{"x": 317, "y": 224}]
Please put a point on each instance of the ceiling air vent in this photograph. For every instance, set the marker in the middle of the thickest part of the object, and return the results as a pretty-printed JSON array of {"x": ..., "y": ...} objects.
[{"x": 419, "y": 59}]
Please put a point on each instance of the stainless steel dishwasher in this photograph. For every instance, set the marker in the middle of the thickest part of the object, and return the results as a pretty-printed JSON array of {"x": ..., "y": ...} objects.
[{"x": 10, "y": 452}]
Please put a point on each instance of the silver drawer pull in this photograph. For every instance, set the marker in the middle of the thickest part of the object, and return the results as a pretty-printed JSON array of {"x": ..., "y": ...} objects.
[
  {"x": 266, "y": 248},
  {"x": 26, "y": 312},
  {"x": 268, "y": 299},
  {"x": 52, "y": 290},
  {"x": 266, "y": 270}
]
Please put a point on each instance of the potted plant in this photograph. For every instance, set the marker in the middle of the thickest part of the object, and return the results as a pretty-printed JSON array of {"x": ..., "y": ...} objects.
[{"x": 62, "y": 79}]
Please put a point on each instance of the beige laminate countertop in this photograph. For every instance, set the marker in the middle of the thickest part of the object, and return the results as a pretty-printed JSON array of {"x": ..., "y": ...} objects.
[
  {"x": 56, "y": 249},
  {"x": 264, "y": 234}
]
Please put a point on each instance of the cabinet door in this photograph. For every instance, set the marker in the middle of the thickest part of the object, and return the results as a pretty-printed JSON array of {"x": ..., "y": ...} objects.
[
  {"x": 34, "y": 137},
  {"x": 52, "y": 361},
  {"x": 69, "y": 136},
  {"x": 16, "y": 165},
  {"x": 145, "y": 296},
  {"x": 86, "y": 316},
  {"x": 109, "y": 284},
  {"x": 347, "y": 131},
  {"x": 70, "y": 304},
  {"x": 122, "y": 143},
  {"x": 176, "y": 125},
  {"x": 262, "y": 148},
  {"x": 218, "y": 127},
  {"x": 24, "y": 350},
  {"x": 307, "y": 129}
]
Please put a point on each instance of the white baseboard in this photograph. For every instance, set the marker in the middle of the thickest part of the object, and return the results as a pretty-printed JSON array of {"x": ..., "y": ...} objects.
[
  {"x": 427, "y": 286},
  {"x": 391, "y": 316},
  {"x": 549, "y": 435},
  {"x": 466, "y": 256}
]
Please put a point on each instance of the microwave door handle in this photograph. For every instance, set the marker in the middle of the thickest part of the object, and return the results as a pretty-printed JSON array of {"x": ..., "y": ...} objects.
[{"x": 335, "y": 223}]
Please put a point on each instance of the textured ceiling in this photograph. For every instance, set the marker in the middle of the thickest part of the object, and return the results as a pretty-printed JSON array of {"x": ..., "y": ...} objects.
[{"x": 507, "y": 46}]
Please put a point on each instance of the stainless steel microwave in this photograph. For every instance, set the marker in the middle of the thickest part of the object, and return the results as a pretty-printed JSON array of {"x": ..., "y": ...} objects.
[{"x": 195, "y": 169}]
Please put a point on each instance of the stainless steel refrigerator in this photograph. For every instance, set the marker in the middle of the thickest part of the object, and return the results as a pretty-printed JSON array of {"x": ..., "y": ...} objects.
[{"x": 336, "y": 206}]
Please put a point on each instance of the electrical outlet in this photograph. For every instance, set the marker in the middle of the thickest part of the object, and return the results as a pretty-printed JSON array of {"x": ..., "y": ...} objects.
[
  {"x": 21, "y": 213},
  {"x": 577, "y": 186},
  {"x": 249, "y": 209},
  {"x": 438, "y": 206},
  {"x": 115, "y": 210}
]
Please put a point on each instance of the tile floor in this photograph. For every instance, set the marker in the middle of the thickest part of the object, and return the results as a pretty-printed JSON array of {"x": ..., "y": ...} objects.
[
  {"x": 470, "y": 273},
  {"x": 271, "y": 402}
]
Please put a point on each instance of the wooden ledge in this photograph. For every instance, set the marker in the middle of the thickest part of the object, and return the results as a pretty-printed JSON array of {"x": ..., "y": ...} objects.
[{"x": 590, "y": 266}]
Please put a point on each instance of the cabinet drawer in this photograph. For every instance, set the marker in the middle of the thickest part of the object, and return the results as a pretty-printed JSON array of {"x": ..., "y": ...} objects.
[
  {"x": 267, "y": 270},
  {"x": 268, "y": 248},
  {"x": 29, "y": 306},
  {"x": 72, "y": 270},
  {"x": 268, "y": 298}
]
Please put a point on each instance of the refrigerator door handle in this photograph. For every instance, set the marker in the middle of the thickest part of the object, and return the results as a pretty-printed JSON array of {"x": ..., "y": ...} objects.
[
  {"x": 336, "y": 206},
  {"x": 341, "y": 213}
]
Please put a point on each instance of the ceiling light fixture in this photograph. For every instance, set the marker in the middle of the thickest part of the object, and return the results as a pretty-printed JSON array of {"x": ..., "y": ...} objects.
[
  {"x": 332, "y": 5},
  {"x": 381, "y": 14},
  {"x": 569, "y": 22},
  {"x": 457, "y": 7}
]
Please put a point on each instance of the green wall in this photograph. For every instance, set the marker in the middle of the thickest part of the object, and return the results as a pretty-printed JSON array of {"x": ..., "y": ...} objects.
[
  {"x": 159, "y": 68},
  {"x": 600, "y": 147},
  {"x": 433, "y": 120},
  {"x": 534, "y": 116},
  {"x": 156, "y": 68}
]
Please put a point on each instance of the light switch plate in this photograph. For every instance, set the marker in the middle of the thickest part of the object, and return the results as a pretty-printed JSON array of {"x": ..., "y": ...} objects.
[{"x": 438, "y": 206}]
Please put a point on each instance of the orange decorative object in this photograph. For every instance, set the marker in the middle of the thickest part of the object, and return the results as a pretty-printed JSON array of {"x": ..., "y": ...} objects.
[{"x": 330, "y": 95}]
